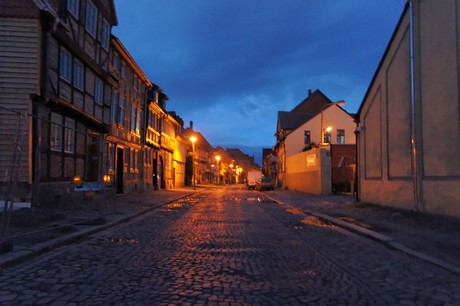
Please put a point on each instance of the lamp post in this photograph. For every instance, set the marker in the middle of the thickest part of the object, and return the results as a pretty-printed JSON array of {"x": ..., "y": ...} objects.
[
  {"x": 218, "y": 169},
  {"x": 193, "y": 140}
]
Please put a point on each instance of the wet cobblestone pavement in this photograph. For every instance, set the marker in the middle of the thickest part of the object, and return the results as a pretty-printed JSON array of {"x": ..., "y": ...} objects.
[{"x": 227, "y": 247}]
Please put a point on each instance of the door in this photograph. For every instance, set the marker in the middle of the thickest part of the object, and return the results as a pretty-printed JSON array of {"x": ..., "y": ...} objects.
[{"x": 119, "y": 170}]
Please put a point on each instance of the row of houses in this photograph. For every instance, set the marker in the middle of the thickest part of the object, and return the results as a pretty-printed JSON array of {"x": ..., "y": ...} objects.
[
  {"x": 406, "y": 133},
  {"x": 78, "y": 113}
]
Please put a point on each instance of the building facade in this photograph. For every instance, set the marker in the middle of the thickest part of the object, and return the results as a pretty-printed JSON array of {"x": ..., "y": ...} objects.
[
  {"x": 125, "y": 140},
  {"x": 409, "y": 130},
  {"x": 68, "y": 92},
  {"x": 316, "y": 122}
]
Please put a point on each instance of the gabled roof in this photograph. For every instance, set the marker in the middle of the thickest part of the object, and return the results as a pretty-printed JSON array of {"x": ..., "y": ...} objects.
[
  {"x": 201, "y": 141},
  {"x": 313, "y": 103},
  {"x": 240, "y": 157},
  {"x": 292, "y": 120}
]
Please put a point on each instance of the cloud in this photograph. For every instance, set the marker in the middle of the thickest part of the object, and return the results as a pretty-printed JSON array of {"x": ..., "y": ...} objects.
[{"x": 231, "y": 65}]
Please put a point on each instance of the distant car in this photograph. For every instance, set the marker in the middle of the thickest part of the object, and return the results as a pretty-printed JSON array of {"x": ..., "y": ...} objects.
[{"x": 265, "y": 183}]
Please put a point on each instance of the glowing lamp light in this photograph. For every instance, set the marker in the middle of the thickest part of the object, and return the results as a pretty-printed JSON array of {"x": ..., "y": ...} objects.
[
  {"x": 77, "y": 182},
  {"x": 107, "y": 180},
  {"x": 329, "y": 129}
]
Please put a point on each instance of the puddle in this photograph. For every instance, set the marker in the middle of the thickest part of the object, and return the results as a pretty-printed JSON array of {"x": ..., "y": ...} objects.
[
  {"x": 295, "y": 211},
  {"x": 122, "y": 241},
  {"x": 311, "y": 220}
]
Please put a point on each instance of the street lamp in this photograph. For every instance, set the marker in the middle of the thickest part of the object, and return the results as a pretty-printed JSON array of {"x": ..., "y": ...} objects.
[
  {"x": 193, "y": 140},
  {"x": 328, "y": 129},
  {"x": 218, "y": 170}
]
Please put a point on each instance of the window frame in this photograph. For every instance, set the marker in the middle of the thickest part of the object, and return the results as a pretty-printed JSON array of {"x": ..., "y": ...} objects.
[
  {"x": 78, "y": 78},
  {"x": 56, "y": 135},
  {"x": 121, "y": 110},
  {"x": 307, "y": 136},
  {"x": 114, "y": 107},
  {"x": 65, "y": 64},
  {"x": 73, "y": 6},
  {"x": 341, "y": 136},
  {"x": 105, "y": 35},
  {"x": 91, "y": 19},
  {"x": 69, "y": 135},
  {"x": 98, "y": 91}
]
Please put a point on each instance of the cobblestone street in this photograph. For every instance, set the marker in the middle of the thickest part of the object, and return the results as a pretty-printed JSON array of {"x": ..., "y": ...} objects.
[{"x": 227, "y": 247}]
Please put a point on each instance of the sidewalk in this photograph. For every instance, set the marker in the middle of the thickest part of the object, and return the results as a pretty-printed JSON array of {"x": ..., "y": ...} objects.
[
  {"x": 432, "y": 238},
  {"x": 38, "y": 230}
]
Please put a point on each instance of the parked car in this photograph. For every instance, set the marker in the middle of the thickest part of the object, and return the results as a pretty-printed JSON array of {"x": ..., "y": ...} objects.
[{"x": 265, "y": 183}]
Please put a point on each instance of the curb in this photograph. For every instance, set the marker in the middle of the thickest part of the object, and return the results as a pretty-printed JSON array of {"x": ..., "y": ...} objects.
[
  {"x": 16, "y": 257},
  {"x": 385, "y": 240}
]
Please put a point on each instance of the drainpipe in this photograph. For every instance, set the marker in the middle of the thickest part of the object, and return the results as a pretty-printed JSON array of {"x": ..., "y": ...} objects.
[
  {"x": 356, "y": 178},
  {"x": 415, "y": 178}
]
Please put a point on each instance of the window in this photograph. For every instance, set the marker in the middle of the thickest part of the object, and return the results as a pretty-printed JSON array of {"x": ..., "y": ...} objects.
[
  {"x": 65, "y": 64},
  {"x": 105, "y": 35},
  {"x": 133, "y": 118},
  {"x": 123, "y": 69},
  {"x": 99, "y": 91},
  {"x": 78, "y": 74},
  {"x": 56, "y": 132},
  {"x": 91, "y": 19},
  {"x": 138, "y": 121},
  {"x": 116, "y": 61},
  {"x": 62, "y": 133},
  {"x": 327, "y": 136},
  {"x": 69, "y": 136},
  {"x": 114, "y": 108},
  {"x": 135, "y": 82},
  {"x": 121, "y": 111},
  {"x": 73, "y": 6},
  {"x": 307, "y": 137},
  {"x": 341, "y": 136}
]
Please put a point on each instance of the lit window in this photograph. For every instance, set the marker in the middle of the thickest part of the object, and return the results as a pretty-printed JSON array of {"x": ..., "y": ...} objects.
[
  {"x": 65, "y": 64},
  {"x": 91, "y": 19},
  {"x": 138, "y": 121},
  {"x": 56, "y": 132},
  {"x": 341, "y": 136},
  {"x": 105, "y": 34},
  {"x": 69, "y": 135},
  {"x": 73, "y": 6},
  {"x": 307, "y": 137},
  {"x": 78, "y": 74},
  {"x": 99, "y": 91}
]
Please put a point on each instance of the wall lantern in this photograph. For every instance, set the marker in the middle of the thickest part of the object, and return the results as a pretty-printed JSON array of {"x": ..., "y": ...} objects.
[
  {"x": 77, "y": 182},
  {"x": 107, "y": 180}
]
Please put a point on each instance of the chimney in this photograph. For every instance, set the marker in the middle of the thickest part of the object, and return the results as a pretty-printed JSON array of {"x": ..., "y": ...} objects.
[
  {"x": 191, "y": 125},
  {"x": 309, "y": 92}
]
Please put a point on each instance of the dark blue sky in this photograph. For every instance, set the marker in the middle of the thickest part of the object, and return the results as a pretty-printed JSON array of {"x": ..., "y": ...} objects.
[{"x": 230, "y": 66}]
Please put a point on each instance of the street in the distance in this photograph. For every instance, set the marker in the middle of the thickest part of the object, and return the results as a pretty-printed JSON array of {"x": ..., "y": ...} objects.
[{"x": 227, "y": 246}]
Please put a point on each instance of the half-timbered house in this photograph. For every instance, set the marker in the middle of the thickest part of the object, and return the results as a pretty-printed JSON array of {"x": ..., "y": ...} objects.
[{"x": 56, "y": 60}]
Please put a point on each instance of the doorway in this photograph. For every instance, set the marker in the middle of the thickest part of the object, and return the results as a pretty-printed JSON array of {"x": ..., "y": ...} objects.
[{"x": 119, "y": 170}]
